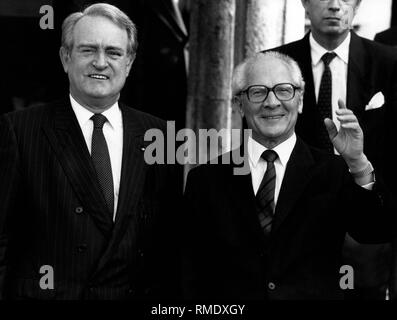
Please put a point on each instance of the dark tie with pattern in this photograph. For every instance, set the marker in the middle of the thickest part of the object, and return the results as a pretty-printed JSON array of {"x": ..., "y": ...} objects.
[
  {"x": 265, "y": 194},
  {"x": 324, "y": 102},
  {"x": 101, "y": 159}
]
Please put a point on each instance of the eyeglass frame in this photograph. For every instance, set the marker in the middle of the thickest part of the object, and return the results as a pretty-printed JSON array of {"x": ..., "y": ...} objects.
[{"x": 270, "y": 90}]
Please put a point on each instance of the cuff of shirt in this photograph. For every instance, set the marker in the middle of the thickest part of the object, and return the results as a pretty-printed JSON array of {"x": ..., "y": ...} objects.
[{"x": 368, "y": 186}]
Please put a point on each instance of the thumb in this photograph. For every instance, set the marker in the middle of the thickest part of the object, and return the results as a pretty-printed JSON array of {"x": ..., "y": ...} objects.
[{"x": 331, "y": 128}]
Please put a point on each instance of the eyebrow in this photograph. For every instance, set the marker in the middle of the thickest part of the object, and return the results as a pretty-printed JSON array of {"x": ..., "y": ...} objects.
[{"x": 95, "y": 46}]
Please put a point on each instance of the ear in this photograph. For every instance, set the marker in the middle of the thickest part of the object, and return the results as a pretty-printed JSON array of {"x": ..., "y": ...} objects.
[
  {"x": 304, "y": 3},
  {"x": 65, "y": 58},
  {"x": 356, "y": 7},
  {"x": 130, "y": 60},
  {"x": 237, "y": 103},
  {"x": 300, "y": 105}
]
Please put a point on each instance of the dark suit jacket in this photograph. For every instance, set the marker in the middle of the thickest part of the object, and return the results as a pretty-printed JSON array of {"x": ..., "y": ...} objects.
[
  {"x": 227, "y": 255},
  {"x": 388, "y": 36},
  {"x": 52, "y": 211},
  {"x": 372, "y": 68}
]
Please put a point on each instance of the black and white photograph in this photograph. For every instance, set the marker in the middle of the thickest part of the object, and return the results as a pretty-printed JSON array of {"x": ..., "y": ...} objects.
[{"x": 198, "y": 158}]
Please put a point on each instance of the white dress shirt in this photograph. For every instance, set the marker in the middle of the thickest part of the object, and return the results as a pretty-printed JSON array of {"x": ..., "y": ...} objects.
[
  {"x": 258, "y": 166},
  {"x": 113, "y": 132},
  {"x": 338, "y": 68}
]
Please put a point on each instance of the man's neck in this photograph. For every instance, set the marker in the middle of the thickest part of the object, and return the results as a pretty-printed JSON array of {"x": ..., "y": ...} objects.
[
  {"x": 330, "y": 43},
  {"x": 269, "y": 143}
]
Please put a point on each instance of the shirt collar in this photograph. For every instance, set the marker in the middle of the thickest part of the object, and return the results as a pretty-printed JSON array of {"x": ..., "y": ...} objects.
[
  {"x": 284, "y": 150},
  {"x": 317, "y": 51},
  {"x": 113, "y": 114}
]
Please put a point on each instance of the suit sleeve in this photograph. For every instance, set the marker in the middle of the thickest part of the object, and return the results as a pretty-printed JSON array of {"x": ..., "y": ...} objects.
[
  {"x": 9, "y": 177},
  {"x": 390, "y": 173},
  {"x": 371, "y": 213},
  {"x": 195, "y": 278}
]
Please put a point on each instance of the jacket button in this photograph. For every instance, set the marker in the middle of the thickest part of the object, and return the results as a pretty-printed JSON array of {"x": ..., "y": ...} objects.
[
  {"x": 271, "y": 286},
  {"x": 79, "y": 210},
  {"x": 81, "y": 247}
]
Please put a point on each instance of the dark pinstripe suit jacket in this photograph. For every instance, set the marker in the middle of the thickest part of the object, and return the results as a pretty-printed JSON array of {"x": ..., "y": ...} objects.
[{"x": 52, "y": 211}]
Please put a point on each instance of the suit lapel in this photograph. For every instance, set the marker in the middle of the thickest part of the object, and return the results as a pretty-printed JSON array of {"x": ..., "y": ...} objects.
[
  {"x": 133, "y": 166},
  {"x": 296, "y": 177},
  {"x": 308, "y": 120},
  {"x": 242, "y": 203},
  {"x": 67, "y": 140},
  {"x": 304, "y": 56},
  {"x": 359, "y": 85}
]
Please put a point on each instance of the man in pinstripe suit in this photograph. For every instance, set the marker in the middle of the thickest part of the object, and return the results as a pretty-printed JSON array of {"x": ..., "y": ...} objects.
[{"x": 101, "y": 238}]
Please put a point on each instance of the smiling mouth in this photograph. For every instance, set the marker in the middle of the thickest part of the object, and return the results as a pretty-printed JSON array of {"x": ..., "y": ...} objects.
[
  {"x": 98, "y": 76},
  {"x": 275, "y": 117},
  {"x": 332, "y": 19}
]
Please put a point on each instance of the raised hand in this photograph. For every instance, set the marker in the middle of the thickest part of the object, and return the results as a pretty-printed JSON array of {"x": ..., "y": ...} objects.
[{"x": 349, "y": 141}]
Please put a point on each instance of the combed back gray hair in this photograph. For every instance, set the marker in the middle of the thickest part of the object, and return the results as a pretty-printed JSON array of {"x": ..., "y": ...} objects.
[
  {"x": 105, "y": 10},
  {"x": 241, "y": 71}
]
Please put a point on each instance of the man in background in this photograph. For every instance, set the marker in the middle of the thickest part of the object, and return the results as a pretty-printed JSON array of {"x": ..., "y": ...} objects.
[{"x": 338, "y": 64}]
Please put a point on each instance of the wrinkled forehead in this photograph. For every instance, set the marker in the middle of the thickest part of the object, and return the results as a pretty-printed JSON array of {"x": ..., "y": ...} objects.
[
  {"x": 101, "y": 31},
  {"x": 353, "y": 3},
  {"x": 269, "y": 71}
]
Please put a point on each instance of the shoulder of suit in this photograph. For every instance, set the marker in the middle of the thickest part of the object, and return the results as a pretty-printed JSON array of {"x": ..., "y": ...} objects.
[
  {"x": 288, "y": 48},
  {"x": 223, "y": 164},
  {"x": 382, "y": 52},
  {"x": 39, "y": 112},
  {"x": 387, "y": 33},
  {"x": 147, "y": 120}
]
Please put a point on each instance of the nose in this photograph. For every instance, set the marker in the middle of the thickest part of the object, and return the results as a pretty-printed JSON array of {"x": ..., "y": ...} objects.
[
  {"x": 271, "y": 101},
  {"x": 100, "y": 61},
  {"x": 334, "y": 5}
]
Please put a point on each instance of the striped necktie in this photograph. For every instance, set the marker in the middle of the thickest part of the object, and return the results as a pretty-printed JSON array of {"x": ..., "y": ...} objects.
[{"x": 265, "y": 195}]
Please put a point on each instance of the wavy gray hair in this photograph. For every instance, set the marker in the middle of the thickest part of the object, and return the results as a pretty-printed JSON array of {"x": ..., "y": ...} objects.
[{"x": 105, "y": 10}]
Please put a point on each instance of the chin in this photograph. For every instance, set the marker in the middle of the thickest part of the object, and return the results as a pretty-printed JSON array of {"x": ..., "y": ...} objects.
[
  {"x": 98, "y": 94},
  {"x": 272, "y": 133}
]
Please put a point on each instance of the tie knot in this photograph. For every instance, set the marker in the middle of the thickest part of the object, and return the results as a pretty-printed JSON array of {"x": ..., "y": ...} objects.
[
  {"x": 269, "y": 155},
  {"x": 99, "y": 120},
  {"x": 328, "y": 57}
]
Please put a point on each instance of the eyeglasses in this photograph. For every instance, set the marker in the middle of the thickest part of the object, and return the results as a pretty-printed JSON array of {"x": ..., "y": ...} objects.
[{"x": 259, "y": 93}]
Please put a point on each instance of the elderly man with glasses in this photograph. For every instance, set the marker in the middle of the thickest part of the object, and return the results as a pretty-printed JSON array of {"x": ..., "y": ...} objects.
[
  {"x": 277, "y": 232},
  {"x": 337, "y": 64}
]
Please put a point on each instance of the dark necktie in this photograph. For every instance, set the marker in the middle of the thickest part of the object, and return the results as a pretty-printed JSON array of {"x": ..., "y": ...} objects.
[
  {"x": 265, "y": 194},
  {"x": 324, "y": 103},
  {"x": 101, "y": 159}
]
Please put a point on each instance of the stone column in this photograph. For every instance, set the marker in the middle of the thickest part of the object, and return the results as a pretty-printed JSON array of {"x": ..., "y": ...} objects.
[{"x": 211, "y": 46}]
